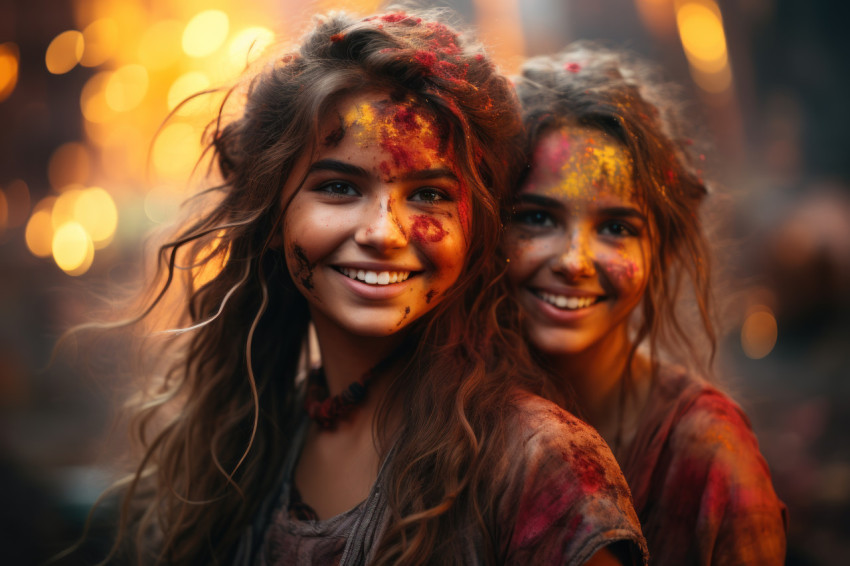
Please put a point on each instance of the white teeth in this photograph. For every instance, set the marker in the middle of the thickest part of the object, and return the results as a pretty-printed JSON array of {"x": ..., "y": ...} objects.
[
  {"x": 566, "y": 303},
  {"x": 375, "y": 277}
]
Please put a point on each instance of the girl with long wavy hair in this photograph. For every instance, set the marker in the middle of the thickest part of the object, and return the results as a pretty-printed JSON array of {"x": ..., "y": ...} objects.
[
  {"x": 605, "y": 237},
  {"x": 361, "y": 194}
]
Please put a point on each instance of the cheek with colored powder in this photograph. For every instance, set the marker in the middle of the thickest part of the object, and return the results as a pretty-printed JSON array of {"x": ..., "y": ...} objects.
[
  {"x": 622, "y": 269},
  {"x": 303, "y": 271},
  {"x": 404, "y": 316},
  {"x": 427, "y": 229}
]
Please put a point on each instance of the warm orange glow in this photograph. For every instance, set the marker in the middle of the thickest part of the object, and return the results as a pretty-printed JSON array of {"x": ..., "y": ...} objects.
[
  {"x": 39, "y": 233},
  {"x": 701, "y": 31},
  {"x": 714, "y": 83},
  {"x": 759, "y": 333},
  {"x": 126, "y": 88},
  {"x": 700, "y": 26},
  {"x": 211, "y": 261},
  {"x": 72, "y": 248},
  {"x": 245, "y": 47},
  {"x": 95, "y": 211},
  {"x": 160, "y": 46},
  {"x": 185, "y": 86},
  {"x": 93, "y": 99},
  {"x": 162, "y": 203},
  {"x": 101, "y": 42},
  {"x": 205, "y": 33},
  {"x": 68, "y": 164},
  {"x": 176, "y": 150},
  {"x": 362, "y": 7},
  {"x": 499, "y": 30},
  {"x": 64, "y": 52},
  {"x": 8, "y": 69},
  {"x": 63, "y": 207}
]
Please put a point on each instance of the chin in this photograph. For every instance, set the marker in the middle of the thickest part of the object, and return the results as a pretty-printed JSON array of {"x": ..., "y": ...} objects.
[{"x": 559, "y": 342}]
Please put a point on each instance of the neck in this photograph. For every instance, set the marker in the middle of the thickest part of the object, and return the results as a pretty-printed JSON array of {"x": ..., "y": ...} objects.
[{"x": 595, "y": 377}]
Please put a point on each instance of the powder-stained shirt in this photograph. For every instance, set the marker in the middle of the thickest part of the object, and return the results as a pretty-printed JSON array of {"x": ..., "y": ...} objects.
[
  {"x": 561, "y": 499},
  {"x": 700, "y": 485}
]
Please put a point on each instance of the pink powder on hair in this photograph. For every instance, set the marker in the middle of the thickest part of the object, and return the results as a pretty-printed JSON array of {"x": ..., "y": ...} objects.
[
  {"x": 337, "y": 37},
  {"x": 572, "y": 67}
]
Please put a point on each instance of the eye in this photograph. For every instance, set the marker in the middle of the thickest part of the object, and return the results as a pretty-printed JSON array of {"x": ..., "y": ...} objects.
[
  {"x": 429, "y": 194},
  {"x": 338, "y": 189},
  {"x": 617, "y": 228},
  {"x": 534, "y": 218}
]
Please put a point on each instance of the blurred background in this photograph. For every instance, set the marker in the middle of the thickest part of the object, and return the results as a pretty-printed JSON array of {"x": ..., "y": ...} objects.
[{"x": 85, "y": 85}]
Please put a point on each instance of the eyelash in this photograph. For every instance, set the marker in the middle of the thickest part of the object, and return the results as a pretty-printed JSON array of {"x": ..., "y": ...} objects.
[
  {"x": 539, "y": 219},
  {"x": 332, "y": 188},
  {"x": 534, "y": 218},
  {"x": 623, "y": 229}
]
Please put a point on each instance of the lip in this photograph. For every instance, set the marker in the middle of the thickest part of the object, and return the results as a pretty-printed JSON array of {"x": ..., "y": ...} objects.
[
  {"x": 559, "y": 315},
  {"x": 374, "y": 292}
]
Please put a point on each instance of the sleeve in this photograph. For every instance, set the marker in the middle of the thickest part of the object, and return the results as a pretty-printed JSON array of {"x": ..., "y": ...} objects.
[
  {"x": 565, "y": 497},
  {"x": 717, "y": 504}
]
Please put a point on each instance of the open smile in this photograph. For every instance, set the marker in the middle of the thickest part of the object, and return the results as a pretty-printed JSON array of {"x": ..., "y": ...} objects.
[
  {"x": 375, "y": 277},
  {"x": 567, "y": 302}
]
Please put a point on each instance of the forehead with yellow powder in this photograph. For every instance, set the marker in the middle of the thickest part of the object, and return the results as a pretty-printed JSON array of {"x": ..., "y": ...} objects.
[
  {"x": 405, "y": 130},
  {"x": 576, "y": 163}
]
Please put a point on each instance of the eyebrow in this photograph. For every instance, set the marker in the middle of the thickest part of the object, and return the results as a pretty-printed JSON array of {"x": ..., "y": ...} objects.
[
  {"x": 552, "y": 203},
  {"x": 336, "y": 166},
  {"x": 540, "y": 200}
]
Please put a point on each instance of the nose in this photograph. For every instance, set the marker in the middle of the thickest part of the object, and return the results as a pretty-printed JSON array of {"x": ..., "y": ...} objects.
[
  {"x": 577, "y": 260},
  {"x": 380, "y": 227}
]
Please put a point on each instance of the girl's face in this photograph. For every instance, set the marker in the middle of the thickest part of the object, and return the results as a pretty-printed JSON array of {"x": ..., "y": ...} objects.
[
  {"x": 579, "y": 242},
  {"x": 376, "y": 230}
]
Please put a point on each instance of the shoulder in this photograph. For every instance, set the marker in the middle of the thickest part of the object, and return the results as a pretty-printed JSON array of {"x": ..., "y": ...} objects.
[
  {"x": 712, "y": 480},
  {"x": 564, "y": 496}
]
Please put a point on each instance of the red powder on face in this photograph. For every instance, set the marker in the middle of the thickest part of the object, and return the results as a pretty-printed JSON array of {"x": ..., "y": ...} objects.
[
  {"x": 337, "y": 37},
  {"x": 427, "y": 229},
  {"x": 572, "y": 67},
  {"x": 430, "y": 295}
]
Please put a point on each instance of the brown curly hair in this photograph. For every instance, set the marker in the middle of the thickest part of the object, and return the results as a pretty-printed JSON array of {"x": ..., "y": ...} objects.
[{"x": 219, "y": 415}]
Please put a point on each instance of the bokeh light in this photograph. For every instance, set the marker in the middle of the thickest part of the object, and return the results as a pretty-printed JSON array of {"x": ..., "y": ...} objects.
[
  {"x": 160, "y": 46},
  {"x": 101, "y": 42},
  {"x": 176, "y": 150},
  {"x": 64, "y": 52},
  {"x": 205, "y": 33},
  {"x": 126, "y": 88},
  {"x": 93, "y": 99},
  {"x": 95, "y": 210},
  {"x": 63, "y": 207},
  {"x": 39, "y": 233},
  {"x": 245, "y": 47},
  {"x": 186, "y": 85},
  {"x": 700, "y": 25},
  {"x": 9, "y": 55},
  {"x": 759, "y": 332},
  {"x": 72, "y": 248}
]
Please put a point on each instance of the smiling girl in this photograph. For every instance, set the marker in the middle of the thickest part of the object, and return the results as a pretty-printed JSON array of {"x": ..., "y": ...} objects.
[
  {"x": 360, "y": 196},
  {"x": 606, "y": 230}
]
